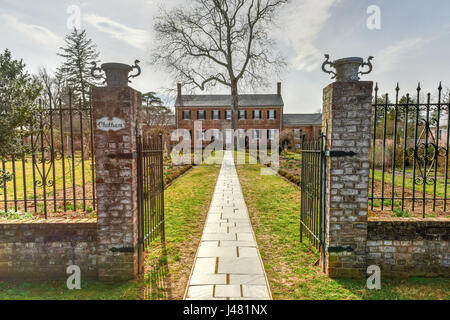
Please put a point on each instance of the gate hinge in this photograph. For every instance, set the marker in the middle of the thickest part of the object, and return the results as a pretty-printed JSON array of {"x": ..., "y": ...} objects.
[
  {"x": 123, "y": 249},
  {"x": 337, "y": 153},
  {"x": 133, "y": 155},
  {"x": 340, "y": 249}
]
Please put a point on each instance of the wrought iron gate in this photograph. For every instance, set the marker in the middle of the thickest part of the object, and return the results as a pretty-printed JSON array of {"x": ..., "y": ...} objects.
[
  {"x": 150, "y": 189},
  {"x": 55, "y": 171},
  {"x": 410, "y": 153},
  {"x": 313, "y": 187}
]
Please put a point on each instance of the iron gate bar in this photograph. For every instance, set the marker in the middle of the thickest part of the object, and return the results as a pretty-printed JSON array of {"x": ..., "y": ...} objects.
[
  {"x": 150, "y": 189},
  {"x": 313, "y": 191},
  {"x": 52, "y": 152}
]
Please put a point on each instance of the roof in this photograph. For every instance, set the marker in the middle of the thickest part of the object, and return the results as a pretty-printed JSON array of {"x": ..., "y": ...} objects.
[
  {"x": 245, "y": 100},
  {"x": 302, "y": 119}
]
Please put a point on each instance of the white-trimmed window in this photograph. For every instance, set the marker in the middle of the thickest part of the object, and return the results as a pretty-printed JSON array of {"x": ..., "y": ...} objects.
[
  {"x": 271, "y": 114},
  {"x": 186, "y": 115},
  {"x": 228, "y": 115},
  {"x": 297, "y": 134},
  {"x": 200, "y": 134},
  {"x": 201, "y": 115},
  {"x": 215, "y": 134},
  {"x": 271, "y": 134},
  {"x": 215, "y": 115},
  {"x": 257, "y": 114},
  {"x": 257, "y": 134},
  {"x": 242, "y": 114}
]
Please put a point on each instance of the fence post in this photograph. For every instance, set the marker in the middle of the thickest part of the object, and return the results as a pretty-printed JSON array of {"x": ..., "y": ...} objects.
[
  {"x": 347, "y": 111},
  {"x": 116, "y": 110}
]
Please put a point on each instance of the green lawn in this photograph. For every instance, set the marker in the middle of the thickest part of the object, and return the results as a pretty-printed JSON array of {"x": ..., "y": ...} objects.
[
  {"x": 66, "y": 176},
  {"x": 58, "y": 174},
  {"x": 429, "y": 189},
  {"x": 167, "y": 269},
  {"x": 274, "y": 206}
]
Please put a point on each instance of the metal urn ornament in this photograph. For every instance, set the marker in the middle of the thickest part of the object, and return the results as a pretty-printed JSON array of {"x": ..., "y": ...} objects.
[
  {"x": 347, "y": 69},
  {"x": 116, "y": 74}
]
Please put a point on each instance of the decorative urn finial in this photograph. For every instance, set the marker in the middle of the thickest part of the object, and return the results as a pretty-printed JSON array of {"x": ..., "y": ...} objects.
[
  {"x": 116, "y": 74},
  {"x": 347, "y": 69}
]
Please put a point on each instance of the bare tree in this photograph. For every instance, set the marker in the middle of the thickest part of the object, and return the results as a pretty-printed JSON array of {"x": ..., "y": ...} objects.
[
  {"x": 219, "y": 41},
  {"x": 53, "y": 86}
]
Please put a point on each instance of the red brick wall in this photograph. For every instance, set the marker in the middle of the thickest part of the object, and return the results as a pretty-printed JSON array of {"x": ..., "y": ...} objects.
[
  {"x": 249, "y": 123},
  {"x": 405, "y": 248},
  {"x": 311, "y": 132},
  {"x": 43, "y": 249}
]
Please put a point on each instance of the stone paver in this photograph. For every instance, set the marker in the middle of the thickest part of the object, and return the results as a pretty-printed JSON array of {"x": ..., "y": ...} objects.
[{"x": 228, "y": 264}]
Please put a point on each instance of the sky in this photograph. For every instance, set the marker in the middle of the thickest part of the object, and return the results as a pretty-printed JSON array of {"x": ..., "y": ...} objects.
[{"x": 411, "y": 42}]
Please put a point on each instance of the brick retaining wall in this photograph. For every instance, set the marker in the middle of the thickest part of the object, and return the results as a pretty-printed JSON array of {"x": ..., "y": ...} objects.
[
  {"x": 43, "y": 249},
  {"x": 409, "y": 247}
]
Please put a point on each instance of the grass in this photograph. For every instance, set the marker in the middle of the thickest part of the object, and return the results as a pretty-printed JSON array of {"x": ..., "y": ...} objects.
[
  {"x": 167, "y": 269},
  {"x": 429, "y": 189},
  {"x": 274, "y": 207},
  {"x": 57, "y": 290}
]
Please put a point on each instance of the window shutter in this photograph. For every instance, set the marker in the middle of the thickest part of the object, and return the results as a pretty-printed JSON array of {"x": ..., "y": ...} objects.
[
  {"x": 245, "y": 113},
  {"x": 219, "y": 114},
  {"x": 275, "y": 113},
  {"x": 253, "y": 114},
  {"x": 198, "y": 115}
]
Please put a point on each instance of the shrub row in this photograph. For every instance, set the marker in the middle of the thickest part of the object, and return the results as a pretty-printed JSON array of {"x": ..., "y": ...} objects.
[
  {"x": 172, "y": 175},
  {"x": 292, "y": 178}
]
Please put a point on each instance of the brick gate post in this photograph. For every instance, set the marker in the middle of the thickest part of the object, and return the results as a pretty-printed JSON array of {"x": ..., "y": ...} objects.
[
  {"x": 116, "y": 109},
  {"x": 347, "y": 115}
]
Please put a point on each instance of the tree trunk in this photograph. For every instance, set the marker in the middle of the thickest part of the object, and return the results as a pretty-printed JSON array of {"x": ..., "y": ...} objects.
[{"x": 234, "y": 105}]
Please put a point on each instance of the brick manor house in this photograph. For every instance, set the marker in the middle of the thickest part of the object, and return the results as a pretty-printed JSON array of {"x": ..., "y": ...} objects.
[{"x": 256, "y": 111}]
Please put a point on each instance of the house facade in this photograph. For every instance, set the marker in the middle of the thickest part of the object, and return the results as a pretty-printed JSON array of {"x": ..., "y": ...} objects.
[
  {"x": 302, "y": 124},
  {"x": 263, "y": 113}
]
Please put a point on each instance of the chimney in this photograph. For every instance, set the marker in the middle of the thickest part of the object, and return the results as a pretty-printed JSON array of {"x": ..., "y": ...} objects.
[
  {"x": 279, "y": 88},
  {"x": 179, "y": 89}
]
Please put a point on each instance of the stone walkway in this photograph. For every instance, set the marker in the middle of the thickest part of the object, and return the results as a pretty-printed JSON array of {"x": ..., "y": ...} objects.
[{"x": 228, "y": 264}]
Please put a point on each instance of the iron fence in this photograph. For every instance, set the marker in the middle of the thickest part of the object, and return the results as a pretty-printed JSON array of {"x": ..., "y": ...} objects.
[
  {"x": 313, "y": 175},
  {"x": 410, "y": 149},
  {"x": 56, "y": 171},
  {"x": 150, "y": 189}
]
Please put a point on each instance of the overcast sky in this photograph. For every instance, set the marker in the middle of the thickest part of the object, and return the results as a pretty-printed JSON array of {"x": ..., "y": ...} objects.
[{"x": 411, "y": 46}]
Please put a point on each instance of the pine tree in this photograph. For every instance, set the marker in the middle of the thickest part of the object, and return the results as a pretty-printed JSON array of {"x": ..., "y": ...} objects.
[{"x": 78, "y": 53}]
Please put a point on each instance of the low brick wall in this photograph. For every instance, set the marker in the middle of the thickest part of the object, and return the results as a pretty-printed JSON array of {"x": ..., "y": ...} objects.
[
  {"x": 42, "y": 249},
  {"x": 413, "y": 247}
]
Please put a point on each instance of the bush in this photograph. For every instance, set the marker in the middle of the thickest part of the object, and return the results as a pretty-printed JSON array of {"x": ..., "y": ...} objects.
[{"x": 15, "y": 215}]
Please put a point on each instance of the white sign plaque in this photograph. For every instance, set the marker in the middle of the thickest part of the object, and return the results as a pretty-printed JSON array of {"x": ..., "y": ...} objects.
[{"x": 107, "y": 124}]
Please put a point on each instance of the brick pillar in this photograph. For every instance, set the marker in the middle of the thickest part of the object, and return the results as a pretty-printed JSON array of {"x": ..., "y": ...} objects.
[
  {"x": 347, "y": 112},
  {"x": 116, "y": 111}
]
